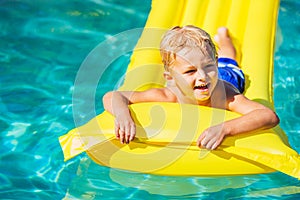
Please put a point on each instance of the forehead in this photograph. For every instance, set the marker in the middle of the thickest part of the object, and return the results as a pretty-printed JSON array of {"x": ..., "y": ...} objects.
[{"x": 194, "y": 57}]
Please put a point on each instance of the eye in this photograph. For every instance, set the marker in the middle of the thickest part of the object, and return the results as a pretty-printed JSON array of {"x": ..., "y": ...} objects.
[
  {"x": 190, "y": 71},
  {"x": 209, "y": 66}
]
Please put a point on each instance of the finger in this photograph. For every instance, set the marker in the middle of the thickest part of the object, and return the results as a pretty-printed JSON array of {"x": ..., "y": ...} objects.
[
  {"x": 121, "y": 133},
  {"x": 215, "y": 145},
  {"x": 206, "y": 139},
  {"x": 132, "y": 132},
  {"x": 127, "y": 135},
  {"x": 200, "y": 138},
  {"x": 210, "y": 144},
  {"x": 117, "y": 128}
]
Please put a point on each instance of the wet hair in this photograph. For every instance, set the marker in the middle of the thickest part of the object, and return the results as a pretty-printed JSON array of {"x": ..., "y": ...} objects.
[{"x": 186, "y": 37}]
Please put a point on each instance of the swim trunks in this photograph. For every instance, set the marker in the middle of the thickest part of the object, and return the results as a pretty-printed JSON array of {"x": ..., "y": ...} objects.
[{"x": 230, "y": 72}]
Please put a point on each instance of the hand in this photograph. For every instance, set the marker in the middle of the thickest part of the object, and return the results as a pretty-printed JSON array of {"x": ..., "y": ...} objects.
[
  {"x": 212, "y": 137},
  {"x": 124, "y": 128}
]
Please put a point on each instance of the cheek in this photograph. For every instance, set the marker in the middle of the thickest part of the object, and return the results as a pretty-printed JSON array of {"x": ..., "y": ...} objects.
[
  {"x": 187, "y": 79},
  {"x": 213, "y": 75},
  {"x": 183, "y": 81}
]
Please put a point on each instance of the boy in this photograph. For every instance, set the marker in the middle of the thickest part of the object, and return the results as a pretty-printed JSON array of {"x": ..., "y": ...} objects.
[{"x": 192, "y": 75}]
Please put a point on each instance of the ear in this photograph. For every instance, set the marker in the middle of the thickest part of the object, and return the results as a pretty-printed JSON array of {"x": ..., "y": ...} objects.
[
  {"x": 170, "y": 80},
  {"x": 168, "y": 76}
]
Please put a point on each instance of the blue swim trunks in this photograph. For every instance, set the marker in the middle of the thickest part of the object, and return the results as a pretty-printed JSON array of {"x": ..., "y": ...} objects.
[{"x": 230, "y": 72}]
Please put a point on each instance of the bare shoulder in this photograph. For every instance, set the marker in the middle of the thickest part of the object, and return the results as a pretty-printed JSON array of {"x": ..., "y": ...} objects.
[
  {"x": 153, "y": 95},
  {"x": 224, "y": 94},
  {"x": 239, "y": 103},
  {"x": 230, "y": 90}
]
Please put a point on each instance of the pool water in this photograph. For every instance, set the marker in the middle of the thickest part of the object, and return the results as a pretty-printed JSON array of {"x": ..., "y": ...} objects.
[{"x": 42, "y": 46}]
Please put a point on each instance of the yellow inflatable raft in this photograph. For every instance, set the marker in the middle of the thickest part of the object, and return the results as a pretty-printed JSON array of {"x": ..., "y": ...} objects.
[{"x": 166, "y": 132}]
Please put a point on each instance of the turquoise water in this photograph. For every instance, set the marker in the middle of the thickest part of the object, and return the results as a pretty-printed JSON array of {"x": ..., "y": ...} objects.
[{"x": 42, "y": 46}]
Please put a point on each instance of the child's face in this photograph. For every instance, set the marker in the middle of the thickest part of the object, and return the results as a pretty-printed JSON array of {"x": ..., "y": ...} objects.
[{"x": 195, "y": 74}]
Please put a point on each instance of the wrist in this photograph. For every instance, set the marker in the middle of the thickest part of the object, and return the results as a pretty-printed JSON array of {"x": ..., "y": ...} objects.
[
  {"x": 227, "y": 129},
  {"x": 122, "y": 112}
]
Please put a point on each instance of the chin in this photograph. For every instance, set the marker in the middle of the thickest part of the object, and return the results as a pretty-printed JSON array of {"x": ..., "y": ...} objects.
[{"x": 203, "y": 99}]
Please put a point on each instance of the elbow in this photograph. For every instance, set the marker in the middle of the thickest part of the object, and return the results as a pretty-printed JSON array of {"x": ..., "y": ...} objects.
[
  {"x": 106, "y": 100},
  {"x": 274, "y": 119}
]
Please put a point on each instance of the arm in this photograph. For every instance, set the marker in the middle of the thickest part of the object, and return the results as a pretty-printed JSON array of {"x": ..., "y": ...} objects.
[
  {"x": 117, "y": 102},
  {"x": 254, "y": 117}
]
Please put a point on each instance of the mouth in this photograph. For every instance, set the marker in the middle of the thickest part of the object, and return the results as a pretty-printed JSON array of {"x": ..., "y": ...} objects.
[{"x": 203, "y": 86}]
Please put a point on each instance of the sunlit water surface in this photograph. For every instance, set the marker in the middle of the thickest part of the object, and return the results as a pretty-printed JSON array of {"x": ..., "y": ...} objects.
[{"x": 42, "y": 46}]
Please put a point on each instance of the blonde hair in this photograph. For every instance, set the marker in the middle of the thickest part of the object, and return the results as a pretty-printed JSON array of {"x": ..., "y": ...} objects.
[{"x": 186, "y": 37}]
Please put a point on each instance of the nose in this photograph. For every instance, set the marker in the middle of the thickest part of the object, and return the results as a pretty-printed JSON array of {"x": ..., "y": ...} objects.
[{"x": 201, "y": 75}]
